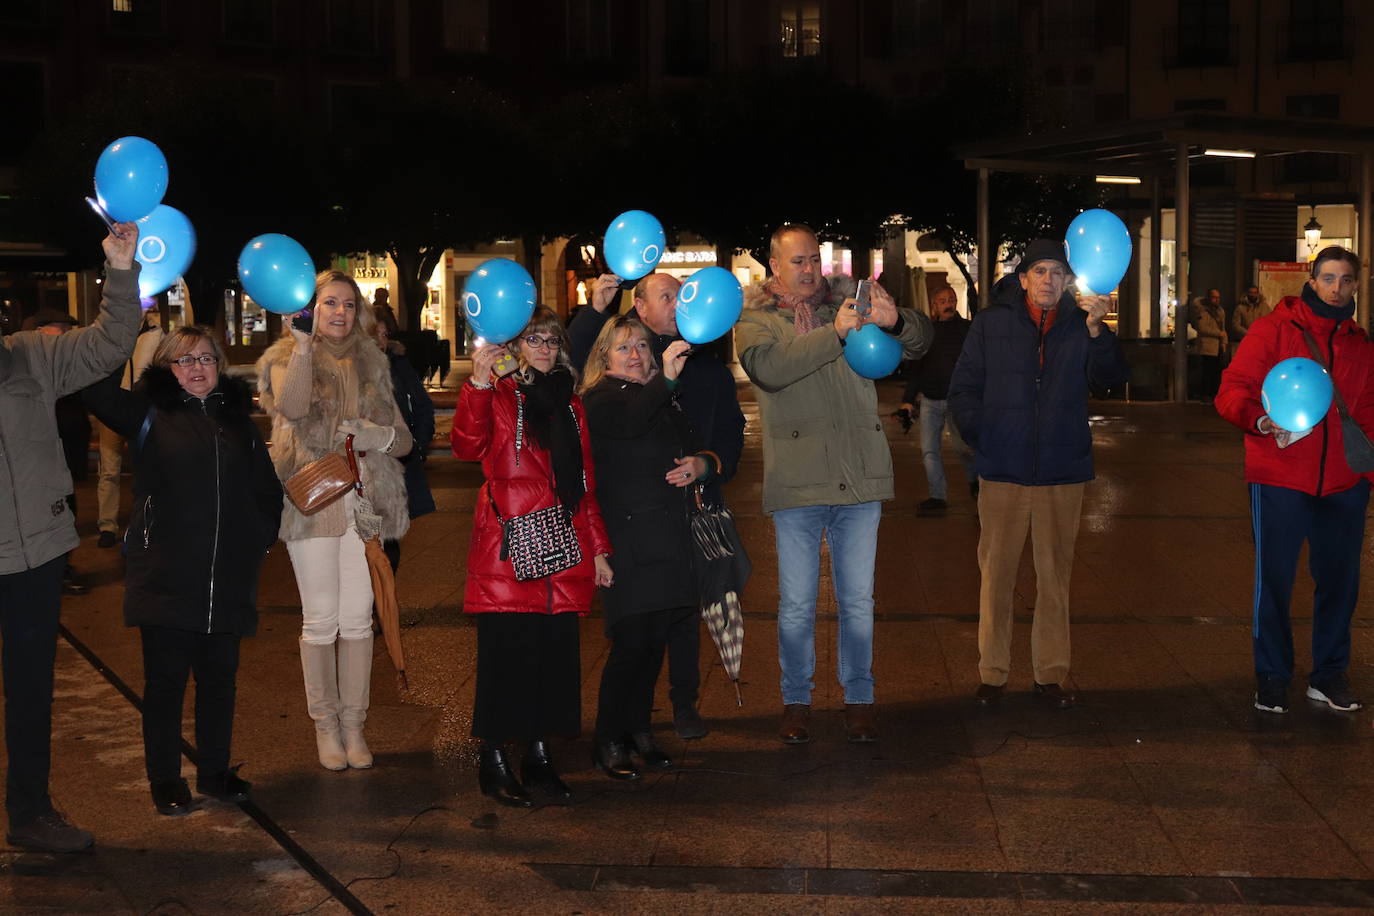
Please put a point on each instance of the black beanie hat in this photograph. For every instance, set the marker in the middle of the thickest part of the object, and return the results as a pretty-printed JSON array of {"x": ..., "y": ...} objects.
[{"x": 1044, "y": 250}]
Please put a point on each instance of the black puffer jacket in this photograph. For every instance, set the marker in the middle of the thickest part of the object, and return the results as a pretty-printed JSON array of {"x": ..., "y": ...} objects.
[{"x": 207, "y": 502}]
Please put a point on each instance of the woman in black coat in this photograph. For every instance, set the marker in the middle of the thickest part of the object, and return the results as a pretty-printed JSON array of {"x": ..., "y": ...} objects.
[
  {"x": 206, "y": 508},
  {"x": 418, "y": 412},
  {"x": 645, "y": 456}
]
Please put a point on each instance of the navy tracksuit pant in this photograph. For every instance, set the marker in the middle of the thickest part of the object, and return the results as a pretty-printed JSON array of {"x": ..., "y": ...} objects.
[{"x": 1333, "y": 527}]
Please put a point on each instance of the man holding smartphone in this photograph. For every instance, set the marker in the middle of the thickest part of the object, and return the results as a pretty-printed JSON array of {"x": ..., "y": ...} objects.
[{"x": 826, "y": 463}]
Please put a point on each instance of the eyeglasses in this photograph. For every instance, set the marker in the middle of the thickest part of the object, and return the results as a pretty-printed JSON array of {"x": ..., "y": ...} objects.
[
  {"x": 535, "y": 342},
  {"x": 187, "y": 361}
]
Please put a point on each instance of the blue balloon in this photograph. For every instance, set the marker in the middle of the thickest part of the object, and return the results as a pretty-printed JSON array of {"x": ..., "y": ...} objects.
[
  {"x": 498, "y": 300},
  {"x": 166, "y": 244},
  {"x": 130, "y": 178},
  {"x": 872, "y": 352},
  {"x": 708, "y": 305},
  {"x": 634, "y": 244},
  {"x": 277, "y": 272},
  {"x": 1296, "y": 394},
  {"x": 1099, "y": 250}
]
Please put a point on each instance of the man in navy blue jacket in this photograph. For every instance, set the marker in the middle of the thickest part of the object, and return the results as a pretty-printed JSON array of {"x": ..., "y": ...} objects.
[
  {"x": 706, "y": 393},
  {"x": 1020, "y": 399}
]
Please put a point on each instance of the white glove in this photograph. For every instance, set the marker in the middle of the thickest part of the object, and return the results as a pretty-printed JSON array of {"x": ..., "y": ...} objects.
[{"x": 368, "y": 436}]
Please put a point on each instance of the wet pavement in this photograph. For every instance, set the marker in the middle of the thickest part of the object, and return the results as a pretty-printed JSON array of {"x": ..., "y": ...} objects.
[{"x": 1164, "y": 791}]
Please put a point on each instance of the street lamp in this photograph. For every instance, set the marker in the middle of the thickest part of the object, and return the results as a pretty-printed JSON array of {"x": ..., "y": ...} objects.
[{"x": 1312, "y": 232}]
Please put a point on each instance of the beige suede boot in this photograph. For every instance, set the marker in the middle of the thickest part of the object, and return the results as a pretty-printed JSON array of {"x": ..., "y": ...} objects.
[
  {"x": 355, "y": 689},
  {"x": 322, "y": 700}
]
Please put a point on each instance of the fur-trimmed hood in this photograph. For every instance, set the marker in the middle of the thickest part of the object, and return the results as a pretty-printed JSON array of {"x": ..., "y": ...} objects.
[
  {"x": 842, "y": 286},
  {"x": 160, "y": 384}
]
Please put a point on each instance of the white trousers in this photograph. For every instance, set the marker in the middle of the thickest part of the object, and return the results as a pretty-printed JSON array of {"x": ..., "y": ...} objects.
[{"x": 336, "y": 590}]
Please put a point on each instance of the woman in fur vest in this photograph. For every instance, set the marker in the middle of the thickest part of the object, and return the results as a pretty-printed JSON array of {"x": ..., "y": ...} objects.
[
  {"x": 530, "y": 433},
  {"x": 320, "y": 387},
  {"x": 206, "y": 508}
]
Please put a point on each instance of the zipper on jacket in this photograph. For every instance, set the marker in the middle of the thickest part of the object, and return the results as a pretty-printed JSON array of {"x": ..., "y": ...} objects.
[
  {"x": 214, "y": 549},
  {"x": 1326, "y": 427},
  {"x": 1035, "y": 415},
  {"x": 147, "y": 520}
]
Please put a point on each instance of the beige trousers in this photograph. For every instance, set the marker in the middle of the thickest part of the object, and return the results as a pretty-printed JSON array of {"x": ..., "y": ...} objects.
[
  {"x": 1007, "y": 512},
  {"x": 107, "y": 484}
]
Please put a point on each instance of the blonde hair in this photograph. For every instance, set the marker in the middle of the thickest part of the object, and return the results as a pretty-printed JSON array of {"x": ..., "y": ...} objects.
[
  {"x": 599, "y": 359},
  {"x": 364, "y": 322},
  {"x": 182, "y": 341}
]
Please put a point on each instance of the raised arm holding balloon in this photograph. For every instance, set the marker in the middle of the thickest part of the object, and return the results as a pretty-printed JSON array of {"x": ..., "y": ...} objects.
[{"x": 1311, "y": 488}]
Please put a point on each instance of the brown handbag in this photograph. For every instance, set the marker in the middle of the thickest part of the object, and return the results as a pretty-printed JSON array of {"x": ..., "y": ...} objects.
[{"x": 323, "y": 480}]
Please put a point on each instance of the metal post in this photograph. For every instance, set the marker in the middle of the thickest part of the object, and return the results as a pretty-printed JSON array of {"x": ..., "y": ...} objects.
[
  {"x": 1181, "y": 274},
  {"x": 1156, "y": 265},
  {"x": 985, "y": 253},
  {"x": 1365, "y": 245}
]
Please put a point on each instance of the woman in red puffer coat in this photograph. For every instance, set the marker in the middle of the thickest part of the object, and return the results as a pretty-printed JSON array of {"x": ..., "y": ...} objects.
[{"x": 530, "y": 432}]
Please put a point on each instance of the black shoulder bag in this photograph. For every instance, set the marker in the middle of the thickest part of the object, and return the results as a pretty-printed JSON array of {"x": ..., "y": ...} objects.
[{"x": 1359, "y": 451}]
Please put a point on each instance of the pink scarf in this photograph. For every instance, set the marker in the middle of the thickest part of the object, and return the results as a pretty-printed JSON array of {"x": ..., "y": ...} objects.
[{"x": 803, "y": 308}]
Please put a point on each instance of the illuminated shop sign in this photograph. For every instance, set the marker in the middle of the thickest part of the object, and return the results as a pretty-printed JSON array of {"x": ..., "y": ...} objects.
[{"x": 688, "y": 257}]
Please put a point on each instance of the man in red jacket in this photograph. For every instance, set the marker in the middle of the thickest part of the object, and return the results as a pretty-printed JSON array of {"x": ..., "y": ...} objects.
[{"x": 1301, "y": 488}]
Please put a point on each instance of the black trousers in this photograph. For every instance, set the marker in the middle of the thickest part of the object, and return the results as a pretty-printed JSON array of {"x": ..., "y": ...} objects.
[
  {"x": 169, "y": 656},
  {"x": 626, "y": 702},
  {"x": 1211, "y": 377},
  {"x": 30, "y": 604},
  {"x": 529, "y": 677},
  {"x": 684, "y": 661}
]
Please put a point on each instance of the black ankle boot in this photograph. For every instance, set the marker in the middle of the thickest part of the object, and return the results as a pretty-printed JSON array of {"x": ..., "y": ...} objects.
[
  {"x": 537, "y": 771},
  {"x": 496, "y": 780},
  {"x": 613, "y": 759}
]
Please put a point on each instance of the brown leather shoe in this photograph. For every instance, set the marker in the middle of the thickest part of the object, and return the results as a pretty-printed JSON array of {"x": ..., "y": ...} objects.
[
  {"x": 1055, "y": 695},
  {"x": 989, "y": 694},
  {"x": 861, "y": 723},
  {"x": 795, "y": 717}
]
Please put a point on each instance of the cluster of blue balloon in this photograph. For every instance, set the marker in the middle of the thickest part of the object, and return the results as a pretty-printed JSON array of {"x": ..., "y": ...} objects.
[
  {"x": 1099, "y": 247},
  {"x": 130, "y": 181},
  {"x": 1296, "y": 394}
]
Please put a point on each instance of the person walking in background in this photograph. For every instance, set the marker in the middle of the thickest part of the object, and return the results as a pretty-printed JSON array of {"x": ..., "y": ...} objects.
[
  {"x": 706, "y": 394},
  {"x": 647, "y": 457},
  {"x": 1247, "y": 311},
  {"x": 418, "y": 412},
  {"x": 207, "y": 506},
  {"x": 1208, "y": 318},
  {"x": 1301, "y": 487},
  {"x": 1019, "y": 395},
  {"x": 319, "y": 387},
  {"x": 529, "y": 430},
  {"x": 928, "y": 379},
  {"x": 827, "y": 467},
  {"x": 107, "y": 490},
  {"x": 37, "y": 531}
]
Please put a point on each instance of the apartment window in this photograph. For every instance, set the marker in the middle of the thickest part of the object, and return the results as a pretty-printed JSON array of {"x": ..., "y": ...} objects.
[
  {"x": 917, "y": 25},
  {"x": 353, "y": 25},
  {"x": 588, "y": 32},
  {"x": 1317, "y": 30},
  {"x": 1110, "y": 19},
  {"x": 249, "y": 21},
  {"x": 687, "y": 48},
  {"x": 1204, "y": 33},
  {"x": 1068, "y": 24},
  {"x": 466, "y": 24},
  {"x": 136, "y": 16},
  {"x": 799, "y": 27},
  {"x": 1314, "y": 106},
  {"x": 24, "y": 113}
]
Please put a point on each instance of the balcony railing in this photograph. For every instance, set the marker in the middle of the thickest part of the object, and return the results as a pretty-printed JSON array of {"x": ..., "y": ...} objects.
[{"x": 1215, "y": 48}]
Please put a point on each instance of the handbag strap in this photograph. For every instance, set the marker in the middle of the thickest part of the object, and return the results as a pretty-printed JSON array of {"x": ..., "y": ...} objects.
[
  {"x": 1317, "y": 355},
  {"x": 353, "y": 463}
]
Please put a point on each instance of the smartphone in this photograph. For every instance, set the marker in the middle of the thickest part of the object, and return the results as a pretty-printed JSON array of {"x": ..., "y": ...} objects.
[
  {"x": 304, "y": 321},
  {"x": 504, "y": 365},
  {"x": 862, "y": 294}
]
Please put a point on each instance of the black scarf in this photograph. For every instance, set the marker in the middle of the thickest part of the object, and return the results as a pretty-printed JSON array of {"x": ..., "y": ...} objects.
[
  {"x": 551, "y": 426},
  {"x": 1322, "y": 310}
]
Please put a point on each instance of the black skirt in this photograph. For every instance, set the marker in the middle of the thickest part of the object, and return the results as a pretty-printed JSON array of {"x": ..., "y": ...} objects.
[{"x": 528, "y": 677}]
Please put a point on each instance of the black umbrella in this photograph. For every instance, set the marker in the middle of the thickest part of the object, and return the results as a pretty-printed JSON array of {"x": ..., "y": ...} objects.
[{"x": 722, "y": 568}]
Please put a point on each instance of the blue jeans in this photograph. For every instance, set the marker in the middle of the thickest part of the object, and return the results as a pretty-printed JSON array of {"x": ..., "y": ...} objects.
[
  {"x": 935, "y": 416},
  {"x": 852, "y": 532}
]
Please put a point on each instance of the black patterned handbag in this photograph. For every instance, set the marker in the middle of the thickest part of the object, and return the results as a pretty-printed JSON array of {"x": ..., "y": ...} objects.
[{"x": 538, "y": 544}]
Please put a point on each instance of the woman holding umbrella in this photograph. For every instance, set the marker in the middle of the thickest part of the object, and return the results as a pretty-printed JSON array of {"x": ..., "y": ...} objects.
[
  {"x": 645, "y": 450},
  {"x": 529, "y": 430},
  {"x": 320, "y": 387}
]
